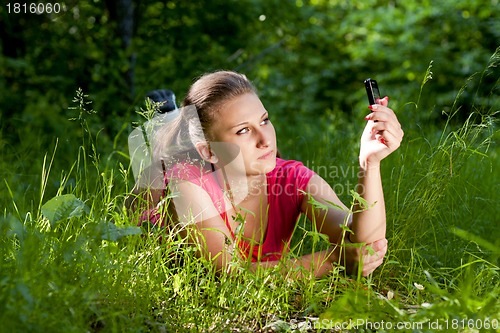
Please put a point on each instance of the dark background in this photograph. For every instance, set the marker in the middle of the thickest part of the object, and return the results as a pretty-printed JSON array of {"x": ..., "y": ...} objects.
[{"x": 307, "y": 58}]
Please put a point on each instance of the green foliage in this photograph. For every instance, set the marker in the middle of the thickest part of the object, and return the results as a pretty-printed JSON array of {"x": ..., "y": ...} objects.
[
  {"x": 63, "y": 207},
  {"x": 306, "y": 56}
]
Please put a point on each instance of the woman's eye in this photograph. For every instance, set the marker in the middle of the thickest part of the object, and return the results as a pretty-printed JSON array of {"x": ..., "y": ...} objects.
[
  {"x": 247, "y": 129},
  {"x": 243, "y": 130}
]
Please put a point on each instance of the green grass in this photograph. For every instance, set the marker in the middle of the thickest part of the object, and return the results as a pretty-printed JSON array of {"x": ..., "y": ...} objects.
[{"x": 77, "y": 263}]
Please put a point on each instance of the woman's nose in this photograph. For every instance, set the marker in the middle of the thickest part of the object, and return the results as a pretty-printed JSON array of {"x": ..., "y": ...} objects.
[{"x": 263, "y": 138}]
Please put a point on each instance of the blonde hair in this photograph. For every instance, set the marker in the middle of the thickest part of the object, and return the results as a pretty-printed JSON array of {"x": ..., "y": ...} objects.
[
  {"x": 212, "y": 90},
  {"x": 204, "y": 99}
]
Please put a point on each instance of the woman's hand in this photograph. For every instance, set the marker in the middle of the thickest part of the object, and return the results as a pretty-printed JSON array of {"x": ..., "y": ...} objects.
[
  {"x": 354, "y": 256},
  {"x": 382, "y": 134}
]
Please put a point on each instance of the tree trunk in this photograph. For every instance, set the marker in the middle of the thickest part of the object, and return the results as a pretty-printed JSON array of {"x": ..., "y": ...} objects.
[{"x": 122, "y": 12}]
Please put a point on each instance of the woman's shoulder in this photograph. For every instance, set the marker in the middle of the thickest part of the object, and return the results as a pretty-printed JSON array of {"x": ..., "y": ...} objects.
[
  {"x": 287, "y": 165},
  {"x": 291, "y": 169}
]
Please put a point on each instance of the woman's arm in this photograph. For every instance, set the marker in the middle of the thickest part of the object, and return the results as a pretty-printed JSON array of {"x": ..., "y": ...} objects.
[
  {"x": 381, "y": 136},
  {"x": 328, "y": 220},
  {"x": 208, "y": 231},
  {"x": 369, "y": 223}
]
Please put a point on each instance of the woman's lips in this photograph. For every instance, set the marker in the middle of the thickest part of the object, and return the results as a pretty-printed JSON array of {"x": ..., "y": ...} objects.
[{"x": 266, "y": 155}]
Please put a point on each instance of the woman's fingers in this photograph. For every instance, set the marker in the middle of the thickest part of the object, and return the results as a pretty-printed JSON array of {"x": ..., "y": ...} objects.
[
  {"x": 371, "y": 255},
  {"x": 393, "y": 141},
  {"x": 368, "y": 268},
  {"x": 379, "y": 247},
  {"x": 386, "y": 127},
  {"x": 372, "y": 261},
  {"x": 382, "y": 113},
  {"x": 382, "y": 127},
  {"x": 383, "y": 101}
]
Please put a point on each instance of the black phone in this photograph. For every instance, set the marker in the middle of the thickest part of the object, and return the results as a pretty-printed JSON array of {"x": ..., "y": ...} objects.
[{"x": 372, "y": 91}]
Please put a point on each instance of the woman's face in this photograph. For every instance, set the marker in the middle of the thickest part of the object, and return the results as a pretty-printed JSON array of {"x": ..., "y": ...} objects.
[{"x": 244, "y": 122}]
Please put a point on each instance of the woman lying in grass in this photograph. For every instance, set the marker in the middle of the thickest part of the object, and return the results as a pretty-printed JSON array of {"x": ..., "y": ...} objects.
[{"x": 241, "y": 199}]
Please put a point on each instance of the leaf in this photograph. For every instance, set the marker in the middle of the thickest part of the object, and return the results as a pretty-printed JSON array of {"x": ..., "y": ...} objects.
[
  {"x": 363, "y": 204},
  {"x": 323, "y": 206},
  {"x": 370, "y": 250},
  {"x": 317, "y": 205},
  {"x": 111, "y": 232},
  {"x": 346, "y": 228},
  {"x": 63, "y": 207},
  {"x": 14, "y": 227}
]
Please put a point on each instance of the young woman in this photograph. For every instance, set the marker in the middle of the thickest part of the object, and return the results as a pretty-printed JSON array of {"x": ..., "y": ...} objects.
[{"x": 242, "y": 200}]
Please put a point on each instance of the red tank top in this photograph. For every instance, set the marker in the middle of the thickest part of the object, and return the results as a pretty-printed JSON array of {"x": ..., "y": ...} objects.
[{"x": 286, "y": 184}]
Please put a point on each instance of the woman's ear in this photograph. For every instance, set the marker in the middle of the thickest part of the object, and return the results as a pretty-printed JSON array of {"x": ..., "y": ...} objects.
[{"x": 205, "y": 152}]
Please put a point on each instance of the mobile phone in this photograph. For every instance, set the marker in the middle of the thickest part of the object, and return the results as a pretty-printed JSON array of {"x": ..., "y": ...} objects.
[{"x": 372, "y": 91}]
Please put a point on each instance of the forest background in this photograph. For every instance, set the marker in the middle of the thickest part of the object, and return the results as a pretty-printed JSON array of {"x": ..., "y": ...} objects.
[{"x": 436, "y": 60}]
